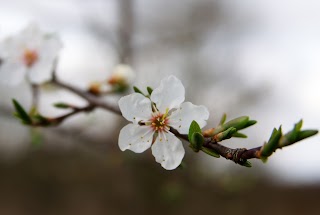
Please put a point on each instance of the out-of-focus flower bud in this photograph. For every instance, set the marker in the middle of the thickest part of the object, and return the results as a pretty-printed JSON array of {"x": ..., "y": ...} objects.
[
  {"x": 121, "y": 78},
  {"x": 95, "y": 88}
]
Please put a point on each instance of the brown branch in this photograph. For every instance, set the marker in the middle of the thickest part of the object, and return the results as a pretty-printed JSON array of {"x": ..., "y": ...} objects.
[
  {"x": 41, "y": 121},
  {"x": 76, "y": 110},
  {"x": 92, "y": 100},
  {"x": 239, "y": 155}
]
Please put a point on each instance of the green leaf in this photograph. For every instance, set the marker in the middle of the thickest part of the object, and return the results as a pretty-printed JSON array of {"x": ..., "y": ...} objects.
[
  {"x": 306, "y": 133},
  {"x": 210, "y": 152},
  {"x": 264, "y": 159},
  {"x": 194, "y": 127},
  {"x": 62, "y": 105},
  {"x": 223, "y": 119},
  {"x": 272, "y": 144},
  {"x": 239, "y": 135},
  {"x": 238, "y": 123},
  {"x": 21, "y": 113},
  {"x": 296, "y": 135},
  {"x": 298, "y": 126},
  {"x": 150, "y": 90},
  {"x": 227, "y": 134},
  {"x": 246, "y": 164},
  {"x": 250, "y": 123},
  {"x": 293, "y": 135},
  {"x": 137, "y": 90},
  {"x": 196, "y": 141}
]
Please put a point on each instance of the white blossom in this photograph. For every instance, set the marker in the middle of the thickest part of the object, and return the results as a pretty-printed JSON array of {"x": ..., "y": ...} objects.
[
  {"x": 122, "y": 74},
  {"x": 28, "y": 55},
  {"x": 152, "y": 118}
]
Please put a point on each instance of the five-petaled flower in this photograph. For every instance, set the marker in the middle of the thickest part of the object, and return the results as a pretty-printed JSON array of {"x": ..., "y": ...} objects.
[
  {"x": 29, "y": 54},
  {"x": 152, "y": 119}
]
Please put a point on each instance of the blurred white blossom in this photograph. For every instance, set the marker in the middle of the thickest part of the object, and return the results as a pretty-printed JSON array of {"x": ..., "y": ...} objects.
[
  {"x": 122, "y": 77},
  {"x": 30, "y": 54},
  {"x": 152, "y": 118}
]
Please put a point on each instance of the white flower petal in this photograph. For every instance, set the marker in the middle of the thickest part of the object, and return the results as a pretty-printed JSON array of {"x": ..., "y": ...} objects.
[
  {"x": 33, "y": 39},
  {"x": 135, "y": 138},
  {"x": 170, "y": 94},
  {"x": 48, "y": 50},
  {"x": 168, "y": 151},
  {"x": 32, "y": 35},
  {"x": 12, "y": 73},
  {"x": 135, "y": 107},
  {"x": 181, "y": 118},
  {"x": 41, "y": 72}
]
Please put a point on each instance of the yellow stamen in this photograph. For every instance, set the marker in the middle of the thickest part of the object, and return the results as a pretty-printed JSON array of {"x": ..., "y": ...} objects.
[{"x": 165, "y": 114}]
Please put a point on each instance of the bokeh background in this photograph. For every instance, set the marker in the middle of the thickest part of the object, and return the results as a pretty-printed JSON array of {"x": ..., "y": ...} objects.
[{"x": 259, "y": 59}]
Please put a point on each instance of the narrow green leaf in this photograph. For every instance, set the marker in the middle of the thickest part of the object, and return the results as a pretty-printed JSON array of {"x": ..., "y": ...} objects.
[
  {"x": 137, "y": 90},
  {"x": 287, "y": 139},
  {"x": 62, "y": 105},
  {"x": 298, "y": 125},
  {"x": 227, "y": 134},
  {"x": 238, "y": 123},
  {"x": 250, "y": 123},
  {"x": 149, "y": 89},
  {"x": 210, "y": 152},
  {"x": 194, "y": 127},
  {"x": 21, "y": 113},
  {"x": 292, "y": 136},
  {"x": 246, "y": 164},
  {"x": 272, "y": 144},
  {"x": 239, "y": 135},
  {"x": 223, "y": 119},
  {"x": 264, "y": 159},
  {"x": 306, "y": 133}
]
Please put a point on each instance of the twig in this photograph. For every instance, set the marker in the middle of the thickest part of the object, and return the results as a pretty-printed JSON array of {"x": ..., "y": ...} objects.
[
  {"x": 76, "y": 110},
  {"x": 92, "y": 100},
  {"x": 239, "y": 155}
]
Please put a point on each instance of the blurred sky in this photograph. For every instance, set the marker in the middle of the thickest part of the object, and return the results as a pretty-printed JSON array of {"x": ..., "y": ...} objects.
[{"x": 273, "y": 43}]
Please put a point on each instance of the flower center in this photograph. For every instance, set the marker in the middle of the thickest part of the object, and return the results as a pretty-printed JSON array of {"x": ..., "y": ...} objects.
[
  {"x": 159, "y": 122},
  {"x": 30, "y": 57}
]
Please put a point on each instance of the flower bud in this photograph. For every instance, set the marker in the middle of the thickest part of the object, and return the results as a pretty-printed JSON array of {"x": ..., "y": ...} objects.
[
  {"x": 95, "y": 88},
  {"x": 121, "y": 78}
]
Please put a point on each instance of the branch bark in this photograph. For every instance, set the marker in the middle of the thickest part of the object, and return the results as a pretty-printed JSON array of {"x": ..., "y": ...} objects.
[
  {"x": 239, "y": 155},
  {"x": 92, "y": 100}
]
